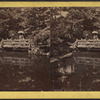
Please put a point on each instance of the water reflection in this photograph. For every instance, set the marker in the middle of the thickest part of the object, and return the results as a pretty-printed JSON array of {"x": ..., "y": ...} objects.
[
  {"x": 81, "y": 72},
  {"x": 20, "y": 71}
]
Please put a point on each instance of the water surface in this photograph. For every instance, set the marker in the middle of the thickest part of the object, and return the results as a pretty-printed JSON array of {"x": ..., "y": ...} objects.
[
  {"x": 80, "y": 72},
  {"x": 21, "y": 72}
]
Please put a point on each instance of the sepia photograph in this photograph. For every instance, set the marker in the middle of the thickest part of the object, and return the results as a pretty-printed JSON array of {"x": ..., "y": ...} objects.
[
  {"x": 49, "y": 48},
  {"x": 75, "y": 48},
  {"x": 25, "y": 49}
]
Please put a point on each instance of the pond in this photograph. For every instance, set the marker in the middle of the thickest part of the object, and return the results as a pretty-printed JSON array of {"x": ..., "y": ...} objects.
[
  {"x": 22, "y": 72},
  {"x": 80, "y": 72}
]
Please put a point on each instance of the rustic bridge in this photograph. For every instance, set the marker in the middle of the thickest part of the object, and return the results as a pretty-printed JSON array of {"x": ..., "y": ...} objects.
[
  {"x": 16, "y": 43},
  {"x": 86, "y": 44},
  {"x": 24, "y": 45}
]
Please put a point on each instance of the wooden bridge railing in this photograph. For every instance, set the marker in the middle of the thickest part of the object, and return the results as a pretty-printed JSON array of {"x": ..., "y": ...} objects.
[
  {"x": 9, "y": 43},
  {"x": 88, "y": 43}
]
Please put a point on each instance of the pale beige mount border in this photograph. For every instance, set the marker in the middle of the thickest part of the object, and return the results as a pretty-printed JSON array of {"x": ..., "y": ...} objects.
[
  {"x": 50, "y": 4},
  {"x": 50, "y": 94}
]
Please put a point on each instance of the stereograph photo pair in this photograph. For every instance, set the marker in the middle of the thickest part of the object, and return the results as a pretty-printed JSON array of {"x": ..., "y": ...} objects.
[{"x": 50, "y": 47}]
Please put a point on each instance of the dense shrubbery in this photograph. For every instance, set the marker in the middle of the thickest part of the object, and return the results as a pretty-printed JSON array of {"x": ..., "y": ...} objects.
[
  {"x": 33, "y": 21},
  {"x": 69, "y": 24},
  {"x": 60, "y": 26}
]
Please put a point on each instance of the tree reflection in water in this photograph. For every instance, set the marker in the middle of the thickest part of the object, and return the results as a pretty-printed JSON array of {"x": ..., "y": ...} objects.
[
  {"x": 19, "y": 71},
  {"x": 78, "y": 73}
]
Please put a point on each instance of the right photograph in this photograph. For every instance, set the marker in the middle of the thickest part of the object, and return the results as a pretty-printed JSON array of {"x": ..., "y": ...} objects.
[{"x": 75, "y": 48}]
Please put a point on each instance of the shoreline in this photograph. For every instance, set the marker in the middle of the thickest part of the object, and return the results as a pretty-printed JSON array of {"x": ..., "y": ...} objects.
[{"x": 54, "y": 59}]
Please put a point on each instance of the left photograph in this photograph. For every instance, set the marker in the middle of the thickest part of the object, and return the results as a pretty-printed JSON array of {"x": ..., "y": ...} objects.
[{"x": 25, "y": 49}]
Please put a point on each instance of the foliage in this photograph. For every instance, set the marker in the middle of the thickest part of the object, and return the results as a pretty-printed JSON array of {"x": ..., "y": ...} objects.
[
  {"x": 30, "y": 20},
  {"x": 60, "y": 25},
  {"x": 74, "y": 23}
]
